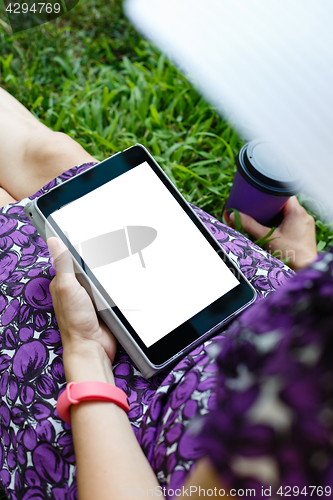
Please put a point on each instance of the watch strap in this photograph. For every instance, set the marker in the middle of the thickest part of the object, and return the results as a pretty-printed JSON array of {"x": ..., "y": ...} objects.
[{"x": 89, "y": 391}]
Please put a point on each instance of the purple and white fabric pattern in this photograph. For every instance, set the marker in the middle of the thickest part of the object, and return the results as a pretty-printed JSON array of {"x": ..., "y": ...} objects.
[
  {"x": 272, "y": 424},
  {"x": 36, "y": 451}
]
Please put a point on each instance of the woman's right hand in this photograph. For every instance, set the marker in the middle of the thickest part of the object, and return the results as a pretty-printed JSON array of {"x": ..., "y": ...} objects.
[{"x": 295, "y": 238}]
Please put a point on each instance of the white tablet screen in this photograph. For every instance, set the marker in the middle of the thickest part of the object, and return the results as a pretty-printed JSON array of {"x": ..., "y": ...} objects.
[{"x": 146, "y": 252}]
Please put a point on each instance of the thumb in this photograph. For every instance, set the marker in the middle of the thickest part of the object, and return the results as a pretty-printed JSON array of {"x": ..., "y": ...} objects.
[
  {"x": 251, "y": 226},
  {"x": 62, "y": 258}
]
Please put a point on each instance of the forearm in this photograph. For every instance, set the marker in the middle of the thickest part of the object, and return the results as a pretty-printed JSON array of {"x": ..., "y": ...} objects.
[{"x": 109, "y": 459}]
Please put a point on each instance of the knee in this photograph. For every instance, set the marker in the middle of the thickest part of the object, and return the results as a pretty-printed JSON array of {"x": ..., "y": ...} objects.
[
  {"x": 49, "y": 148},
  {"x": 52, "y": 153},
  {"x": 44, "y": 155}
]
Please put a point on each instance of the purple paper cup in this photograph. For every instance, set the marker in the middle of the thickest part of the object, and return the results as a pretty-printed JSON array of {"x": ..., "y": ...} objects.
[{"x": 262, "y": 184}]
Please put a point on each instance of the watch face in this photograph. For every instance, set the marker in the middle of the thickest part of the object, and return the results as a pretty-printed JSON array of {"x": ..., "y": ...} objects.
[{"x": 159, "y": 269}]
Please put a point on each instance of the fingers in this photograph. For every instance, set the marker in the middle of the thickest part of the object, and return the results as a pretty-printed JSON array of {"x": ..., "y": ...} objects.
[
  {"x": 62, "y": 258},
  {"x": 294, "y": 213},
  {"x": 251, "y": 226},
  {"x": 292, "y": 207}
]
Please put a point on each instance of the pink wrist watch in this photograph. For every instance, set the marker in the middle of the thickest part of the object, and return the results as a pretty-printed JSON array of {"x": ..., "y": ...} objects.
[{"x": 89, "y": 391}]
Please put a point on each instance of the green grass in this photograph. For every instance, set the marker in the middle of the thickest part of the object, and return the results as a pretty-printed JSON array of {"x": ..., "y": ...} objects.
[
  {"x": 99, "y": 82},
  {"x": 90, "y": 75}
]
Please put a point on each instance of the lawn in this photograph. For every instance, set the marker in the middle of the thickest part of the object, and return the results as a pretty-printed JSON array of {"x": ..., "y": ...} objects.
[{"x": 89, "y": 74}]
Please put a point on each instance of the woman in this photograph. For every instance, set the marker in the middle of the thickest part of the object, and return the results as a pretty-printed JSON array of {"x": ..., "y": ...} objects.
[{"x": 38, "y": 460}]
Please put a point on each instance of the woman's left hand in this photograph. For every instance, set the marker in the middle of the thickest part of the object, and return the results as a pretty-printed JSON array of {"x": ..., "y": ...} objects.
[{"x": 79, "y": 326}]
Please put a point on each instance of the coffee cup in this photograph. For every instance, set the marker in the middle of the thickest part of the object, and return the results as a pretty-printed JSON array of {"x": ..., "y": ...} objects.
[{"x": 263, "y": 184}]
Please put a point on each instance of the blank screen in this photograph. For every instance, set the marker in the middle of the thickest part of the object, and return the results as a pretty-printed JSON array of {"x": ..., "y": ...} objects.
[{"x": 146, "y": 252}]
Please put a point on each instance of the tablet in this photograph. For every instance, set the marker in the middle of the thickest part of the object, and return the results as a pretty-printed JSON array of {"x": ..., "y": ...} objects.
[{"x": 158, "y": 278}]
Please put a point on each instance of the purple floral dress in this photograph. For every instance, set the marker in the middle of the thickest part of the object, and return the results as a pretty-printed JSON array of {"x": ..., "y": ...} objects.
[
  {"x": 271, "y": 428},
  {"x": 36, "y": 450}
]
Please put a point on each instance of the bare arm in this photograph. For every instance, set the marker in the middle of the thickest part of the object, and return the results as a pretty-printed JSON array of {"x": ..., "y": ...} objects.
[{"x": 109, "y": 459}]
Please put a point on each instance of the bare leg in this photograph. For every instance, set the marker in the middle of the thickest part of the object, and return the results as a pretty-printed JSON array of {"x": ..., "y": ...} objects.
[{"x": 31, "y": 155}]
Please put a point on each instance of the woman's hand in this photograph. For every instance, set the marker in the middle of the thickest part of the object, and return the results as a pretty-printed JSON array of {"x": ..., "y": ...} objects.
[
  {"x": 295, "y": 238},
  {"x": 85, "y": 339}
]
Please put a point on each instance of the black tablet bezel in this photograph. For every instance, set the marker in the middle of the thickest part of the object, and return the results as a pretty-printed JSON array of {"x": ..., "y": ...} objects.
[{"x": 197, "y": 326}]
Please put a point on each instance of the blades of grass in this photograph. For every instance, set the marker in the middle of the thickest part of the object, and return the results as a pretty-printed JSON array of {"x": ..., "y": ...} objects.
[
  {"x": 179, "y": 153},
  {"x": 154, "y": 114},
  {"x": 113, "y": 126},
  {"x": 103, "y": 141},
  {"x": 321, "y": 245},
  {"x": 109, "y": 53},
  {"x": 202, "y": 163},
  {"x": 265, "y": 239},
  {"x": 160, "y": 65},
  {"x": 173, "y": 104},
  {"x": 68, "y": 70},
  {"x": 210, "y": 134},
  {"x": 19, "y": 51},
  {"x": 6, "y": 62},
  {"x": 191, "y": 173},
  {"x": 215, "y": 190},
  {"x": 37, "y": 102},
  {"x": 237, "y": 221},
  {"x": 60, "y": 120},
  {"x": 63, "y": 3}
]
